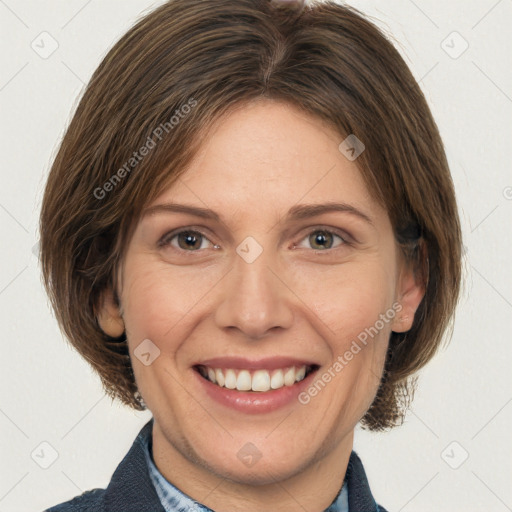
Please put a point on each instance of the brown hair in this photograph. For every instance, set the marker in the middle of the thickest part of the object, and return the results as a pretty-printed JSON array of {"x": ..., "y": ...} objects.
[{"x": 211, "y": 56}]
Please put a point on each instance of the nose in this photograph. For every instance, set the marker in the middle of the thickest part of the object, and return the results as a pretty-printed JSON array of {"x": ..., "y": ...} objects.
[{"x": 255, "y": 299}]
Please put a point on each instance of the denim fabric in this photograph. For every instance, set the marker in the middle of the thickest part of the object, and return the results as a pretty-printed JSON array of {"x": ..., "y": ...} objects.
[{"x": 138, "y": 486}]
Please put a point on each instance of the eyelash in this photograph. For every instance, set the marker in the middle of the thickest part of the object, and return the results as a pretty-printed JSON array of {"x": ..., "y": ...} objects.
[{"x": 165, "y": 241}]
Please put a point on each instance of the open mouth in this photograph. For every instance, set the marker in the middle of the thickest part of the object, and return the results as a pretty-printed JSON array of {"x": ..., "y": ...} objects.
[{"x": 258, "y": 381}]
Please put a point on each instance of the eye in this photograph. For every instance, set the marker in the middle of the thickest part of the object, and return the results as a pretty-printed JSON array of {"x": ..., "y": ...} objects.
[
  {"x": 323, "y": 239},
  {"x": 191, "y": 240},
  {"x": 186, "y": 240}
]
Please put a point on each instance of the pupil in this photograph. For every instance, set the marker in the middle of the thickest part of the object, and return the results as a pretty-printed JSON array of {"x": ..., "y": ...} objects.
[
  {"x": 190, "y": 240},
  {"x": 322, "y": 238}
]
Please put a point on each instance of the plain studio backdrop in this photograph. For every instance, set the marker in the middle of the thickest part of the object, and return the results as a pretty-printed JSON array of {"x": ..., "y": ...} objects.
[{"x": 61, "y": 435}]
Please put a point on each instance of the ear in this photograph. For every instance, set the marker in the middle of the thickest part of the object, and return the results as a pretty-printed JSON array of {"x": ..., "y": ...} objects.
[
  {"x": 410, "y": 292},
  {"x": 109, "y": 315}
]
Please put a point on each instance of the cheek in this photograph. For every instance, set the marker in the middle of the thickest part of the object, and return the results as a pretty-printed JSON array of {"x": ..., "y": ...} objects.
[
  {"x": 358, "y": 310},
  {"x": 160, "y": 298},
  {"x": 349, "y": 298}
]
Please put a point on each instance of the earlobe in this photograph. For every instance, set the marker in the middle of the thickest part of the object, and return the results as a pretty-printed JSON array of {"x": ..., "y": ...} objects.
[{"x": 109, "y": 315}]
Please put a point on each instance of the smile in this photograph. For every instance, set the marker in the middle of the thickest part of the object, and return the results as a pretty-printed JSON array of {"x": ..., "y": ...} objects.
[{"x": 259, "y": 380}]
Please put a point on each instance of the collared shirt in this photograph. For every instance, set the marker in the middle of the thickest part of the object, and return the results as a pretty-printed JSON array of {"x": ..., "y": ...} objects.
[
  {"x": 173, "y": 500},
  {"x": 131, "y": 488}
]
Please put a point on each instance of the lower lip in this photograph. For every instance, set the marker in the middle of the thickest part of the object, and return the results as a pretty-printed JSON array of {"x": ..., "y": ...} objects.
[{"x": 255, "y": 402}]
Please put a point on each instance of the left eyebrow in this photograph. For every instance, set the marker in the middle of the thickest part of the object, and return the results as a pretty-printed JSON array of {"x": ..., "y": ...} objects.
[{"x": 304, "y": 211}]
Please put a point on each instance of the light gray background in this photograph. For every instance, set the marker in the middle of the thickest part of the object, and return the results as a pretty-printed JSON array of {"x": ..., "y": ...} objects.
[{"x": 50, "y": 395}]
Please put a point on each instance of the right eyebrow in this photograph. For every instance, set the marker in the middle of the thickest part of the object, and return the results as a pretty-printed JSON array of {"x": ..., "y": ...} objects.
[{"x": 204, "y": 213}]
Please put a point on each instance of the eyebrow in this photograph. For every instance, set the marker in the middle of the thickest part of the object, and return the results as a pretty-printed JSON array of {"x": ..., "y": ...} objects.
[
  {"x": 305, "y": 211},
  {"x": 297, "y": 212}
]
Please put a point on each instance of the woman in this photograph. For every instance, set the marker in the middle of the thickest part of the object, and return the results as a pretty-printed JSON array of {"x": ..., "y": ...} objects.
[{"x": 250, "y": 229}]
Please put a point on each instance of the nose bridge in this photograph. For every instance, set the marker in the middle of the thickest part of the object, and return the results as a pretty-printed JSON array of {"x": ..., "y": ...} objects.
[{"x": 256, "y": 300}]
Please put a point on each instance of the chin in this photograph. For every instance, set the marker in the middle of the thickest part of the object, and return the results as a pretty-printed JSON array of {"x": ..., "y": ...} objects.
[{"x": 250, "y": 465}]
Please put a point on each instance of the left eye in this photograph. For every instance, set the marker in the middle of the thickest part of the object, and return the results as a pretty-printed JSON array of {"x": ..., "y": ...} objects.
[{"x": 323, "y": 238}]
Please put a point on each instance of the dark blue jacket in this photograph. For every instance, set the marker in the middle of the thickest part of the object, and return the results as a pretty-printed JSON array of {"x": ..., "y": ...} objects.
[{"x": 131, "y": 489}]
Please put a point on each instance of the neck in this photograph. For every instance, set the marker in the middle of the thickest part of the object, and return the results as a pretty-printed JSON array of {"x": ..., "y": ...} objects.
[{"x": 313, "y": 487}]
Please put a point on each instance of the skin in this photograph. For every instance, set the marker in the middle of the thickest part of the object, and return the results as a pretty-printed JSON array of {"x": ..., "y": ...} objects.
[{"x": 298, "y": 298}]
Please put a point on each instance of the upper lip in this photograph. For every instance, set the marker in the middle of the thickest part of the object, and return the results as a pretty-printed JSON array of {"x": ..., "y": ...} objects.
[{"x": 270, "y": 363}]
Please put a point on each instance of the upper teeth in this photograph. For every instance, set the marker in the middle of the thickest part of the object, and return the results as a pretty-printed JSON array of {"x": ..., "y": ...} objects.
[{"x": 258, "y": 380}]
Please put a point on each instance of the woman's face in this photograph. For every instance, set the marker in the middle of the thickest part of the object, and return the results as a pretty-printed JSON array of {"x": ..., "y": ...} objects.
[{"x": 257, "y": 283}]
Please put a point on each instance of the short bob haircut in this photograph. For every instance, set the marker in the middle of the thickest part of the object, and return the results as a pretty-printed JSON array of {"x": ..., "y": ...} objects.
[{"x": 150, "y": 104}]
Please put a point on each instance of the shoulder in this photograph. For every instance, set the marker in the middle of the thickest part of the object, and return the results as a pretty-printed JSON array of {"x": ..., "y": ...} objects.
[{"x": 130, "y": 488}]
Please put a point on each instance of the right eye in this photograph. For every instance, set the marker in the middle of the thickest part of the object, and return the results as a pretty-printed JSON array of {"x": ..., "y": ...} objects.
[{"x": 185, "y": 240}]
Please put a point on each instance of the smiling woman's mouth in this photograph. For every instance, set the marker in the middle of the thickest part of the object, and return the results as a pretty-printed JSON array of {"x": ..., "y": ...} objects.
[{"x": 256, "y": 380}]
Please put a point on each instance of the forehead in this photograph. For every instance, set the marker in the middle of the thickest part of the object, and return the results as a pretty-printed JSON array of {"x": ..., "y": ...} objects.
[{"x": 269, "y": 155}]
